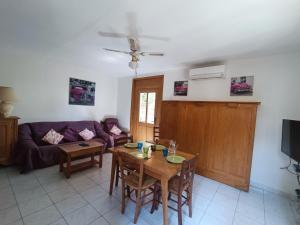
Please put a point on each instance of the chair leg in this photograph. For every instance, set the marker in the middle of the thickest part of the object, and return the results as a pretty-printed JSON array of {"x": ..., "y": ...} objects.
[
  {"x": 169, "y": 195},
  {"x": 190, "y": 197},
  {"x": 179, "y": 208},
  {"x": 137, "y": 207},
  {"x": 128, "y": 191},
  {"x": 155, "y": 200},
  {"x": 158, "y": 198},
  {"x": 117, "y": 175},
  {"x": 123, "y": 197}
]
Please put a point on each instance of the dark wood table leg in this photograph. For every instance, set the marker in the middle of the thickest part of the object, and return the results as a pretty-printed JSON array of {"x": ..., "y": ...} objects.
[
  {"x": 100, "y": 157},
  {"x": 93, "y": 159},
  {"x": 117, "y": 173},
  {"x": 61, "y": 161},
  {"x": 112, "y": 173},
  {"x": 68, "y": 169}
]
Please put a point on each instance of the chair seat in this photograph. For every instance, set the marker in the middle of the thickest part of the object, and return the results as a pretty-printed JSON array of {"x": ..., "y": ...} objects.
[{"x": 133, "y": 181}]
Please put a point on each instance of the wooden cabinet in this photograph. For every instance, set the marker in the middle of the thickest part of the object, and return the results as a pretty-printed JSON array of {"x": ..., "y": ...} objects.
[
  {"x": 8, "y": 138},
  {"x": 221, "y": 133}
]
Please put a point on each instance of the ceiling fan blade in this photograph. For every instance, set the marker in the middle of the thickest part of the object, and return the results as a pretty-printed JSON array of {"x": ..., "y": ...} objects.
[
  {"x": 113, "y": 50},
  {"x": 134, "y": 44},
  {"x": 155, "y": 38},
  {"x": 152, "y": 53},
  {"x": 114, "y": 35}
]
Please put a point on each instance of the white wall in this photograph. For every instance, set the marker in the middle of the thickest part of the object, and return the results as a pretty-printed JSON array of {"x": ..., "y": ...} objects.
[
  {"x": 276, "y": 86},
  {"x": 42, "y": 86}
]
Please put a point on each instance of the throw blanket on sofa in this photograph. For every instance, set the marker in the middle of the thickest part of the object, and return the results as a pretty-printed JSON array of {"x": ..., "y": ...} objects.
[{"x": 32, "y": 152}]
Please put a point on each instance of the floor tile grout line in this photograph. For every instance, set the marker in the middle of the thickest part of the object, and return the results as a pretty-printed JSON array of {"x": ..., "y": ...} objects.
[
  {"x": 88, "y": 201},
  {"x": 236, "y": 208},
  {"x": 265, "y": 218},
  {"x": 14, "y": 194},
  {"x": 101, "y": 186},
  {"x": 51, "y": 199},
  {"x": 98, "y": 219},
  {"x": 53, "y": 203},
  {"x": 209, "y": 203}
]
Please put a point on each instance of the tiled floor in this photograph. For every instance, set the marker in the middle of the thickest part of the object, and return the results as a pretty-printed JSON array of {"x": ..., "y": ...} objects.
[{"x": 46, "y": 197}]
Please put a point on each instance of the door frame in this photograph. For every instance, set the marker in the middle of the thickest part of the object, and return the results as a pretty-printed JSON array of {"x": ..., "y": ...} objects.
[{"x": 134, "y": 102}]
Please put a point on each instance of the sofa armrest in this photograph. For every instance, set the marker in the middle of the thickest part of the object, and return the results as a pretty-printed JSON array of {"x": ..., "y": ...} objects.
[
  {"x": 102, "y": 134},
  {"x": 129, "y": 135},
  {"x": 23, "y": 153}
]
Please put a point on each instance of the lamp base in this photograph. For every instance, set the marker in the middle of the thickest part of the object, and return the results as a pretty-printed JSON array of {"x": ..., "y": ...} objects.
[{"x": 6, "y": 109}]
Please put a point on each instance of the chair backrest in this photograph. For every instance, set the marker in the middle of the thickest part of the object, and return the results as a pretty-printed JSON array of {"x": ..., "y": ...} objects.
[
  {"x": 156, "y": 134},
  {"x": 187, "y": 173},
  {"x": 164, "y": 142},
  {"x": 110, "y": 122},
  {"x": 130, "y": 165}
]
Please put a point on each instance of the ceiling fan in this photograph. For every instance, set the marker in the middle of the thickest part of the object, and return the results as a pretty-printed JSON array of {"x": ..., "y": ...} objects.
[
  {"x": 133, "y": 40},
  {"x": 135, "y": 52}
]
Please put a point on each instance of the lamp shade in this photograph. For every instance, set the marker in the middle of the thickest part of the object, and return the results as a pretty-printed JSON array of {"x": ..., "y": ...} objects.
[{"x": 7, "y": 94}]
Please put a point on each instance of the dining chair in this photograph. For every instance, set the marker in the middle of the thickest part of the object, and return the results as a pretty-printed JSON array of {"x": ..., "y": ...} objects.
[
  {"x": 179, "y": 185},
  {"x": 132, "y": 176},
  {"x": 156, "y": 133}
]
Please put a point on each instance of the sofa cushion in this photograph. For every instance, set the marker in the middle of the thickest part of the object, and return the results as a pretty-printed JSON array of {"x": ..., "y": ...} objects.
[
  {"x": 70, "y": 135},
  {"x": 40, "y": 129},
  {"x": 81, "y": 125},
  {"x": 86, "y": 134},
  {"x": 52, "y": 137}
]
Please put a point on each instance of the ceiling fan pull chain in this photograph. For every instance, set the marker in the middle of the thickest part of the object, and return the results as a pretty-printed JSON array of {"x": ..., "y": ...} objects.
[{"x": 135, "y": 71}]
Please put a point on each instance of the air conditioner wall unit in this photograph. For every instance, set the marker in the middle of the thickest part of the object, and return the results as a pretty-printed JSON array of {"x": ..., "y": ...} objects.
[{"x": 207, "y": 72}]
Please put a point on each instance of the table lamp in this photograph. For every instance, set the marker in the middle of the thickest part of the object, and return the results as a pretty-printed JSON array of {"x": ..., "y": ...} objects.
[{"x": 7, "y": 97}]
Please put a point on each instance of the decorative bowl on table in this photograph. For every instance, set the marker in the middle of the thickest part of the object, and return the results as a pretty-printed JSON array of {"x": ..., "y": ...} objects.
[
  {"x": 175, "y": 159},
  {"x": 131, "y": 145}
]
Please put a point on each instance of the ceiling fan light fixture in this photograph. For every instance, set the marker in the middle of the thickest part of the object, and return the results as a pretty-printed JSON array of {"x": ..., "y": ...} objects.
[{"x": 133, "y": 65}]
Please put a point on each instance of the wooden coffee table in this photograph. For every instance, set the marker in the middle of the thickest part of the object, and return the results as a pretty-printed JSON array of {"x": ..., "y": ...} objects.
[{"x": 71, "y": 152}]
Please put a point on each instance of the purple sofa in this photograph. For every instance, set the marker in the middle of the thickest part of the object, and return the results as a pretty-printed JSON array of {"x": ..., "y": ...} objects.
[{"x": 32, "y": 152}]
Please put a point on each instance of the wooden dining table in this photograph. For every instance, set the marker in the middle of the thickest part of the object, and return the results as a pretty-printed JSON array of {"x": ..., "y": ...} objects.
[{"x": 158, "y": 167}]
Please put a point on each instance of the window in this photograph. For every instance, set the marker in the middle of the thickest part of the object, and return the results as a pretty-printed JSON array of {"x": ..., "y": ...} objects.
[
  {"x": 151, "y": 107},
  {"x": 147, "y": 107},
  {"x": 143, "y": 107}
]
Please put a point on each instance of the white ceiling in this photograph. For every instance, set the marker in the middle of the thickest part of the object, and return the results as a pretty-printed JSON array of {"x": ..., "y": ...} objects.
[{"x": 198, "y": 30}]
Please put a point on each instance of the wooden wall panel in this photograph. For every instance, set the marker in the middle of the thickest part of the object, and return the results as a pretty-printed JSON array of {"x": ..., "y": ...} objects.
[
  {"x": 221, "y": 133},
  {"x": 169, "y": 112}
]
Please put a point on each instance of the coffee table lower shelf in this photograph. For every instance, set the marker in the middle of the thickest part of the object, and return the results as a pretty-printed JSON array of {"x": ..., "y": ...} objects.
[
  {"x": 69, "y": 155},
  {"x": 78, "y": 167}
]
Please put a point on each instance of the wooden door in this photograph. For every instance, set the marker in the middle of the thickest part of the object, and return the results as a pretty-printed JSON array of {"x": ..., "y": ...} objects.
[
  {"x": 229, "y": 138},
  {"x": 221, "y": 133},
  {"x": 146, "y": 106}
]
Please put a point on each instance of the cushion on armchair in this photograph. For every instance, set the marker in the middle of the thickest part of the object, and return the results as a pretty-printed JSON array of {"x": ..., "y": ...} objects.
[
  {"x": 109, "y": 123},
  {"x": 115, "y": 130}
]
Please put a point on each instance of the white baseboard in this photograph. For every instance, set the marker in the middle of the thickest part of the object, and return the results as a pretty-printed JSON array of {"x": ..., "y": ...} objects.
[{"x": 272, "y": 190}]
